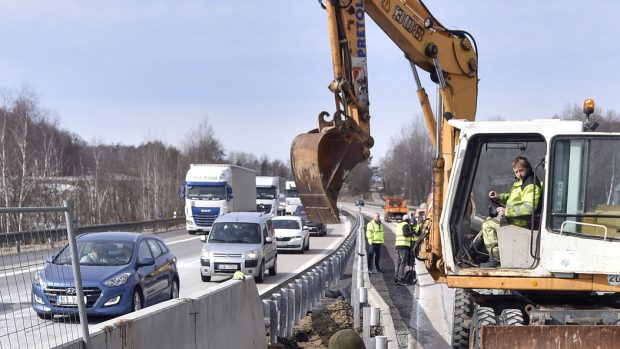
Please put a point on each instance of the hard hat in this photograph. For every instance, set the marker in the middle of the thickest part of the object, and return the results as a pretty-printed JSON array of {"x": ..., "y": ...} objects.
[{"x": 405, "y": 217}]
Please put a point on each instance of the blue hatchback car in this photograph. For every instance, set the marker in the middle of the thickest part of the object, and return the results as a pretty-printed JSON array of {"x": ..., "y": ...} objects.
[{"x": 121, "y": 272}]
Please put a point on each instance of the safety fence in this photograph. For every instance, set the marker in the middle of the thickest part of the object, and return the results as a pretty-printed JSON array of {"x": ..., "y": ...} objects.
[
  {"x": 58, "y": 235},
  {"x": 285, "y": 309},
  {"x": 22, "y": 265}
]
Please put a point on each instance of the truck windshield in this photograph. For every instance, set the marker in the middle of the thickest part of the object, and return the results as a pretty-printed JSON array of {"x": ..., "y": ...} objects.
[
  {"x": 292, "y": 193},
  {"x": 204, "y": 192},
  {"x": 585, "y": 197},
  {"x": 266, "y": 193},
  {"x": 235, "y": 232}
]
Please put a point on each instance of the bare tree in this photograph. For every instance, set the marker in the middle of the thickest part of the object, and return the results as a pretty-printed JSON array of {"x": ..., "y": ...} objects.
[{"x": 201, "y": 146}]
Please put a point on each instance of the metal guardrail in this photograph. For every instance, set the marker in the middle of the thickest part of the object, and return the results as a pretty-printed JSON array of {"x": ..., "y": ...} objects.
[
  {"x": 304, "y": 292},
  {"x": 47, "y": 235}
]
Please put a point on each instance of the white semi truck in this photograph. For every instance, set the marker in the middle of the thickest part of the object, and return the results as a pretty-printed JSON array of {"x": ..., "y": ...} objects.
[
  {"x": 212, "y": 190},
  {"x": 292, "y": 197},
  {"x": 270, "y": 195}
]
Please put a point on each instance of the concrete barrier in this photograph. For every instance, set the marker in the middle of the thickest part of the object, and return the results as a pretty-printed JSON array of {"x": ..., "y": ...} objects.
[{"x": 229, "y": 315}]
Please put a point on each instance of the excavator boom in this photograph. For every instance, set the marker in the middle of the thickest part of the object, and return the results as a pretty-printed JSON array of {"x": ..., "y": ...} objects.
[{"x": 322, "y": 158}]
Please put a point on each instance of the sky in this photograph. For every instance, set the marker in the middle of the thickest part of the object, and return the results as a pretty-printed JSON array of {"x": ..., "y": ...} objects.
[{"x": 132, "y": 71}]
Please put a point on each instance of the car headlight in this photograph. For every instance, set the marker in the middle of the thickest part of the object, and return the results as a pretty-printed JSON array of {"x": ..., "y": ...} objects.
[
  {"x": 37, "y": 279},
  {"x": 251, "y": 255},
  {"x": 118, "y": 280},
  {"x": 204, "y": 254}
]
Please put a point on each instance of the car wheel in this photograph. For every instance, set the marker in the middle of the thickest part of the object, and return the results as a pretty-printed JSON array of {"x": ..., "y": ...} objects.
[
  {"x": 308, "y": 244},
  {"x": 174, "y": 289},
  {"x": 205, "y": 278},
  {"x": 274, "y": 268},
  {"x": 261, "y": 273},
  {"x": 136, "y": 302},
  {"x": 45, "y": 316}
]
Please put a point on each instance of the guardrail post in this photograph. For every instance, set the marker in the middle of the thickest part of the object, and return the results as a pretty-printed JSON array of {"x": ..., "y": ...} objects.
[
  {"x": 375, "y": 316},
  {"x": 291, "y": 312},
  {"x": 304, "y": 301},
  {"x": 277, "y": 298},
  {"x": 283, "y": 312},
  {"x": 299, "y": 311},
  {"x": 380, "y": 342},
  {"x": 366, "y": 325},
  {"x": 273, "y": 321},
  {"x": 297, "y": 287}
]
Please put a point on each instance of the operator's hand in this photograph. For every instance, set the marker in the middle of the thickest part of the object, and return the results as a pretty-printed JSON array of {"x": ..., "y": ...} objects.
[
  {"x": 492, "y": 195},
  {"x": 500, "y": 211}
]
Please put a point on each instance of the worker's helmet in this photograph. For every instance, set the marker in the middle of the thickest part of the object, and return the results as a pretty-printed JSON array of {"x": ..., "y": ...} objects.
[{"x": 405, "y": 217}]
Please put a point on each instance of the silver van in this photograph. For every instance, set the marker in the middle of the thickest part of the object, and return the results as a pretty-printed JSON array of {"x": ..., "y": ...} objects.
[{"x": 239, "y": 241}]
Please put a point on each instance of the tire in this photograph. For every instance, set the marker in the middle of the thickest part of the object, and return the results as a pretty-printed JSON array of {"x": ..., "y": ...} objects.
[
  {"x": 137, "y": 301},
  {"x": 483, "y": 316},
  {"x": 511, "y": 317},
  {"x": 44, "y": 316},
  {"x": 261, "y": 274},
  {"x": 274, "y": 268},
  {"x": 308, "y": 245},
  {"x": 205, "y": 278},
  {"x": 461, "y": 320},
  {"x": 174, "y": 289}
]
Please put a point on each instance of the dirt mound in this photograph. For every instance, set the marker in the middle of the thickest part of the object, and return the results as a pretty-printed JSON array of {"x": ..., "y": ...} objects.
[{"x": 314, "y": 330}]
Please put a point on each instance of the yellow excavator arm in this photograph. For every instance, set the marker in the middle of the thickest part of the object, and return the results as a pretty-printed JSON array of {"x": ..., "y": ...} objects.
[{"x": 322, "y": 158}]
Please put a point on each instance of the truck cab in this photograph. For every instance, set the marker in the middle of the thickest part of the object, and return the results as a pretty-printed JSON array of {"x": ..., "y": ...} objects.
[
  {"x": 292, "y": 197},
  {"x": 213, "y": 190},
  {"x": 270, "y": 195}
]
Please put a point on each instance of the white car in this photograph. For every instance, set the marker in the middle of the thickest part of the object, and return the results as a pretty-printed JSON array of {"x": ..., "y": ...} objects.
[{"x": 291, "y": 234}]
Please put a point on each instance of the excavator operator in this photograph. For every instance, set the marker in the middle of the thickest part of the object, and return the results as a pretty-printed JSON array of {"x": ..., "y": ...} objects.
[{"x": 513, "y": 208}]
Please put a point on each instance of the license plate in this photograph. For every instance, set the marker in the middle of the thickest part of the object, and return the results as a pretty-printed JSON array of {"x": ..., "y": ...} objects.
[
  {"x": 68, "y": 300},
  {"x": 227, "y": 266}
]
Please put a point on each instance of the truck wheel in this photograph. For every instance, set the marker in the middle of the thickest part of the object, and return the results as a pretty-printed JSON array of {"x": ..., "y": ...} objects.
[
  {"x": 511, "y": 317},
  {"x": 274, "y": 269},
  {"x": 461, "y": 319},
  {"x": 205, "y": 278},
  {"x": 483, "y": 316}
]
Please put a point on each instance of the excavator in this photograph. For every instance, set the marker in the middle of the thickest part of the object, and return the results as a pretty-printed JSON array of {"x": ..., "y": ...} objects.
[{"x": 558, "y": 280}]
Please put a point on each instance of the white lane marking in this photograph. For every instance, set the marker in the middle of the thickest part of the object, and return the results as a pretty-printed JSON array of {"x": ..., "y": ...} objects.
[
  {"x": 12, "y": 273},
  {"x": 184, "y": 240}
]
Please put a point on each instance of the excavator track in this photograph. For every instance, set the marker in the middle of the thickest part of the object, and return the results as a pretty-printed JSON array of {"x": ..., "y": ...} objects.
[{"x": 320, "y": 163}]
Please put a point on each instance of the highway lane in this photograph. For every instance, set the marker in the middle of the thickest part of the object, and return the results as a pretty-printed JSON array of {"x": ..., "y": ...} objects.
[{"x": 18, "y": 317}]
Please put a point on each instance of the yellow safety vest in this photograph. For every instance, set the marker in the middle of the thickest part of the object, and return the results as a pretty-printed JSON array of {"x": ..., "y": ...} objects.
[
  {"x": 374, "y": 232},
  {"x": 401, "y": 239}
]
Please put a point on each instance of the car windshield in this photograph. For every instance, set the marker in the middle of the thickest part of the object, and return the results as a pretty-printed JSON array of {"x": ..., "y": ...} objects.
[
  {"x": 266, "y": 193},
  {"x": 286, "y": 224},
  {"x": 98, "y": 253},
  {"x": 235, "y": 232},
  {"x": 206, "y": 192}
]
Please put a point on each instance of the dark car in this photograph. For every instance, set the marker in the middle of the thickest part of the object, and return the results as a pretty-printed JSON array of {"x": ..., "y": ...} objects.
[
  {"x": 359, "y": 202},
  {"x": 313, "y": 228},
  {"x": 121, "y": 272}
]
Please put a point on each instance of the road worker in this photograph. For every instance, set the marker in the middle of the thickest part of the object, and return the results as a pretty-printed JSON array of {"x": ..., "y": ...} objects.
[
  {"x": 374, "y": 236},
  {"x": 403, "y": 244}
]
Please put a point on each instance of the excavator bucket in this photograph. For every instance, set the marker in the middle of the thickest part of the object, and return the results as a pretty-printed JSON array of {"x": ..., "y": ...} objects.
[{"x": 320, "y": 162}]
